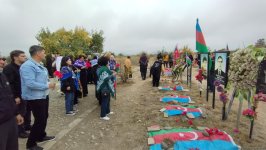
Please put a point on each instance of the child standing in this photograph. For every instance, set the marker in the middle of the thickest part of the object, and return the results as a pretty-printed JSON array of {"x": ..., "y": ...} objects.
[{"x": 68, "y": 85}]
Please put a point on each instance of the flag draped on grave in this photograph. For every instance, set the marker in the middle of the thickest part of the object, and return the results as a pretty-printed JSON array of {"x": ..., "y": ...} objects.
[{"x": 188, "y": 138}]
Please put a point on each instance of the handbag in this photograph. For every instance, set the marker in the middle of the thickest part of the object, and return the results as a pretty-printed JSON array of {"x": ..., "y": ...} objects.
[{"x": 105, "y": 92}]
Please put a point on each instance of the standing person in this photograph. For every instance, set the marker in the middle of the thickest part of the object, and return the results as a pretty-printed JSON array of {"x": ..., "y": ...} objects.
[
  {"x": 143, "y": 63},
  {"x": 156, "y": 69},
  {"x": 3, "y": 61},
  {"x": 76, "y": 78},
  {"x": 89, "y": 71},
  {"x": 11, "y": 71},
  {"x": 165, "y": 60},
  {"x": 8, "y": 120},
  {"x": 95, "y": 66},
  {"x": 171, "y": 61},
  {"x": 105, "y": 87},
  {"x": 35, "y": 89},
  {"x": 68, "y": 85},
  {"x": 112, "y": 63},
  {"x": 49, "y": 62},
  {"x": 128, "y": 72},
  {"x": 81, "y": 64}
]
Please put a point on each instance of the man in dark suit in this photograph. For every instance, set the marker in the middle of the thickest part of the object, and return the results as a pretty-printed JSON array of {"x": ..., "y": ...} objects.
[{"x": 219, "y": 71}]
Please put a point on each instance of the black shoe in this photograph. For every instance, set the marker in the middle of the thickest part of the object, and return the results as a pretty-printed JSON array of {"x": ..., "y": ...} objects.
[
  {"x": 23, "y": 135},
  {"x": 36, "y": 147},
  {"x": 46, "y": 139}
]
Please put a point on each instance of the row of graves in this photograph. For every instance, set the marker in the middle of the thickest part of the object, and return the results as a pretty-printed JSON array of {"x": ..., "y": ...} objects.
[{"x": 242, "y": 72}]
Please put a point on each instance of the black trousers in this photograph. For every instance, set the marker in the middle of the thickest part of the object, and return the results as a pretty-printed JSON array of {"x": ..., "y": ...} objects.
[
  {"x": 170, "y": 64},
  {"x": 76, "y": 95},
  {"x": 90, "y": 75},
  {"x": 27, "y": 118},
  {"x": 143, "y": 72},
  {"x": 40, "y": 113},
  {"x": 165, "y": 63},
  {"x": 155, "y": 80},
  {"x": 105, "y": 103},
  {"x": 9, "y": 135},
  {"x": 83, "y": 80}
]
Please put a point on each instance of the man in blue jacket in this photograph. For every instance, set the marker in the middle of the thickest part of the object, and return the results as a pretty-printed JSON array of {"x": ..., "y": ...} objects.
[{"x": 35, "y": 89}]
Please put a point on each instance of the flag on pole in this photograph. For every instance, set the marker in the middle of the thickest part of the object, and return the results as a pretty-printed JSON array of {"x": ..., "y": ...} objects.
[
  {"x": 188, "y": 60},
  {"x": 200, "y": 42}
]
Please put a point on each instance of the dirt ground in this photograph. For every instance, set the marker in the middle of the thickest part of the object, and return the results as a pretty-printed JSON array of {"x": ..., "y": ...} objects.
[{"x": 136, "y": 107}]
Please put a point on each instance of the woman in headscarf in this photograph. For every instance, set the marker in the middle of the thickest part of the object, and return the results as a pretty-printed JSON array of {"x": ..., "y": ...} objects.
[
  {"x": 81, "y": 64},
  {"x": 105, "y": 86},
  {"x": 112, "y": 62}
]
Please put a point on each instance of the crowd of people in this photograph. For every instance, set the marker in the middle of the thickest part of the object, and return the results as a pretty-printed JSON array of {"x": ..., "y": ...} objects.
[
  {"x": 25, "y": 84},
  {"x": 24, "y": 92}
]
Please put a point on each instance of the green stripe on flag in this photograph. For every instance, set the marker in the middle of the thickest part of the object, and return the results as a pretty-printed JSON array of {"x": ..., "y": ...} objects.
[
  {"x": 154, "y": 133},
  {"x": 201, "y": 48}
]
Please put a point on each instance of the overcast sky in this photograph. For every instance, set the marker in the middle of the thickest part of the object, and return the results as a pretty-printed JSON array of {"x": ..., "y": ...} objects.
[{"x": 132, "y": 26}]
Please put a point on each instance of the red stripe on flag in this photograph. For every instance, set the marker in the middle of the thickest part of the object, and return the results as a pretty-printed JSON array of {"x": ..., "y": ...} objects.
[{"x": 200, "y": 38}]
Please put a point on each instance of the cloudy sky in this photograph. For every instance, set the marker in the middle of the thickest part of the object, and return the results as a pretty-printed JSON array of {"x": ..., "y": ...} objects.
[{"x": 132, "y": 26}]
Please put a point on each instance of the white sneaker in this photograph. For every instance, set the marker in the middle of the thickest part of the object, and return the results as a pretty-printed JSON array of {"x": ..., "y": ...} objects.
[
  {"x": 110, "y": 113},
  {"x": 75, "y": 108},
  {"x": 105, "y": 118},
  {"x": 71, "y": 113}
]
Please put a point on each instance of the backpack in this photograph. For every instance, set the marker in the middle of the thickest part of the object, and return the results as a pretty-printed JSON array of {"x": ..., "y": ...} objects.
[
  {"x": 144, "y": 63},
  {"x": 156, "y": 67}
]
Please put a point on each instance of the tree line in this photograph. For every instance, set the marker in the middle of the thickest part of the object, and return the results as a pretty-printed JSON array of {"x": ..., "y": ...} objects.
[{"x": 71, "y": 42}]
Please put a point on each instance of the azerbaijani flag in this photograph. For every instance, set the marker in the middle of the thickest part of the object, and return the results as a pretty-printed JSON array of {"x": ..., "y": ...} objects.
[
  {"x": 188, "y": 138},
  {"x": 200, "y": 42},
  {"x": 188, "y": 60}
]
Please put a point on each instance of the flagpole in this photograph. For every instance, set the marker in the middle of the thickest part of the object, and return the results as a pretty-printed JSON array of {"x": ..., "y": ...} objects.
[{"x": 207, "y": 89}]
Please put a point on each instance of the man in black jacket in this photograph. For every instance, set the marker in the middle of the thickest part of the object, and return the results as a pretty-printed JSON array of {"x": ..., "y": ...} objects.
[
  {"x": 12, "y": 73},
  {"x": 8, "y": 125},
  {"x": 155, "y": 71}
]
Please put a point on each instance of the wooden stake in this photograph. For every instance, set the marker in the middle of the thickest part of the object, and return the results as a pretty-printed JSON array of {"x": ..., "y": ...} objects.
[
  {"x": 230, "y": 102},
  {"x": 239, "y": 110}
]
